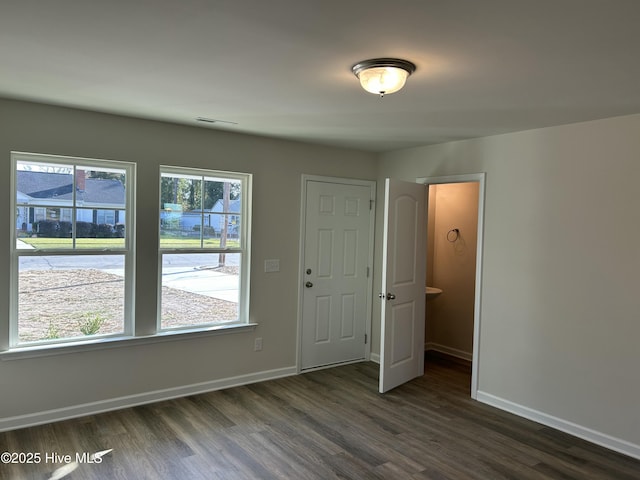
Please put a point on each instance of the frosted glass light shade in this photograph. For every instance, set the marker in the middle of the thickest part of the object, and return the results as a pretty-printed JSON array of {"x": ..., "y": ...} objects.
[
  {"x": 383, "y": 80},
  {"x": 383, "y": 75}
]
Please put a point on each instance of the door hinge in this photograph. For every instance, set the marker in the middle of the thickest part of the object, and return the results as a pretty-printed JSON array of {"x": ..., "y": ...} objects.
[
  {"x": 370, "y": 204},
  {"x": 365, "y": 338},
  {"x": 367, "y": 272}
]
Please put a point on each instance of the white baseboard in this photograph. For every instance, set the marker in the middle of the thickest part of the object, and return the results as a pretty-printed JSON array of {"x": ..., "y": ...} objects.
[
  {"x": 602, "y": 439},
  {"x": 49, "y": 416},
  {"x": 454, "y": 352},
  {"x": 375, "y": 357}
]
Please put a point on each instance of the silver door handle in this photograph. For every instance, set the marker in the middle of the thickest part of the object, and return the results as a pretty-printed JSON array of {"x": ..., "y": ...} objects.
[
  {"x": 389, "y": 296},
  {"x": 308, "y": 284}
]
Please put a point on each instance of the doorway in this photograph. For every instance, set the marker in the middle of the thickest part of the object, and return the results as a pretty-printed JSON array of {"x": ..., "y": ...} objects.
[
  {"x": 402, "y": 336},
  {"x": 452, "y": 230},
  {"x": 336, "y": 271},
  {"x": 454, "y": 259}
]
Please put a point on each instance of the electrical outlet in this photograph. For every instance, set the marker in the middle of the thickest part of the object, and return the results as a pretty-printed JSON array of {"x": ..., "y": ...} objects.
[{"x": 257, "y": 344}]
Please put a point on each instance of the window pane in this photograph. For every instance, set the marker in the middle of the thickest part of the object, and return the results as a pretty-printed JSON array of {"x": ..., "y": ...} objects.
[
  {"x": 100, "y": 188},
  {"x": 44, "y": 184},
  {"x": 98, "y": 228},
  {"x": 180, "y": 211},
  {"x": 199, "y": 211},
  {"x": 61, "y": 297},
  {"x": 216, "y": 189},
  {"x": 180, "y": 229},
  {"x": 200, "y": 289},
  {"x": 224, "y": 232},
  {"x": 181, "y": 193},
  {"x": 43, "y": 227},
  {"x": 45, "y": 201}
]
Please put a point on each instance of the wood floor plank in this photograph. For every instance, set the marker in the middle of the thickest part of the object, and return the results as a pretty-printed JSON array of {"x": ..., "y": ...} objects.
[{"x": 326, "y": 425}]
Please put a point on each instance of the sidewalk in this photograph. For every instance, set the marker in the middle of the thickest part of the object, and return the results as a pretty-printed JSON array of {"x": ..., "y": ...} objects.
[
  {"x": 203, "y": 282},
  {"x": 21, "y": 244}
]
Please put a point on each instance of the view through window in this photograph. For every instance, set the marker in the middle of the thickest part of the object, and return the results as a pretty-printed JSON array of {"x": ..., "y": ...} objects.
[
  {"x": 204, "y": 247},
  {"x": 72, "y": 248}
]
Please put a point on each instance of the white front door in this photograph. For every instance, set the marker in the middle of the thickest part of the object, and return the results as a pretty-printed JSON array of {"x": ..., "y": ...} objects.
[
  {"x": 335, "y": 273},
  {"x": 403, "y": 283}
]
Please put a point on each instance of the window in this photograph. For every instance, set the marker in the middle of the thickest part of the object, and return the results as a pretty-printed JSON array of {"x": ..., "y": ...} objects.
[
  {"x": 204, "y": 248},
  {"x": 72, "y": 251}
]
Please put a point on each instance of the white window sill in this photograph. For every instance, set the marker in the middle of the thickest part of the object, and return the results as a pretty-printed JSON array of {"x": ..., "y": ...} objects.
[{"x": 121, "y": 341}]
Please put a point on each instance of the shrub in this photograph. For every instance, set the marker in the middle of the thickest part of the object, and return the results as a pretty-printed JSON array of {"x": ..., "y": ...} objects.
[
  {"x": 64, "y": 229},
  {"x": 207, "y": 231},
  {"x": 85, "y": 229},
  {"x": 119, "y": 230},
  {"x": 92, "y": 323},
  {"x": 52, "y": 332},
  {"x": 104, "y": 230},
  {"x": 47, "y": 228}
]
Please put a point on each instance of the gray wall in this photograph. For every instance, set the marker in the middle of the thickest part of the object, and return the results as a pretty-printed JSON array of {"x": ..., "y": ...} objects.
[
  {"x": 560, "y": 303},
  {"x": 38, "y": 384},
  {"x": 560, "y": 279}
]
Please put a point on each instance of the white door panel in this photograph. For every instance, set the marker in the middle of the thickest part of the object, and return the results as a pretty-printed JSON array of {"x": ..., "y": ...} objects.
[
  {"x": 336, "y": 255},
  {"x": 403, "y": 283}
]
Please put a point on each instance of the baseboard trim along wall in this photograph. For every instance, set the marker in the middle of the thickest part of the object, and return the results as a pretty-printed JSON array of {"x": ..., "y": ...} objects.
[
  {"x": 375, "y": 357},
  {"x": 453, "y": 352},
  {"x": 604, "y": 440},
  {"x": 30, "y": 420}
]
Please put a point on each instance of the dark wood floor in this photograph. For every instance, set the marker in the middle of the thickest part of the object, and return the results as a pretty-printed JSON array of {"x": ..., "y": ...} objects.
[{"x": 329, "y": 424}]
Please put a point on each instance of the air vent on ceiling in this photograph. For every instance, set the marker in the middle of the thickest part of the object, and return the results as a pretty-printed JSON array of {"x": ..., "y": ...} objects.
[{"x": 213, "y": 120}]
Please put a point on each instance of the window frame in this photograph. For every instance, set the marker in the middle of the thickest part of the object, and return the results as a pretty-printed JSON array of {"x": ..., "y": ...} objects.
[
  {"x": 128, "y": 250},
  {"x": 244, "y": 250}
]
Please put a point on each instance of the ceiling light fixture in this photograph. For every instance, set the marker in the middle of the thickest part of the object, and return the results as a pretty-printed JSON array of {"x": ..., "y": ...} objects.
[{"x": 383, "y": 75}]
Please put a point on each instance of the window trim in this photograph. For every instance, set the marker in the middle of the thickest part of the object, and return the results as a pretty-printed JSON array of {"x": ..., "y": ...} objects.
[
  {"x": 10, "y": 339},
  {"x": 103, "y": 343},
  {"x": 246, "y": 181},
  {"x": 12, "y": 349}
]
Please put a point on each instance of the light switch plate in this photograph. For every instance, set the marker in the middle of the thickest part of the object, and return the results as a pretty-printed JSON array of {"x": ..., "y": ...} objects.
[{"x": 272, "y": 265}]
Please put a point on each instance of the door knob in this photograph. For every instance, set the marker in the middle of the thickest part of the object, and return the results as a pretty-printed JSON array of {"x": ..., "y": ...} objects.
[
  {"x": 308, "y": 284},
  {"x": 388, "y": 296}
]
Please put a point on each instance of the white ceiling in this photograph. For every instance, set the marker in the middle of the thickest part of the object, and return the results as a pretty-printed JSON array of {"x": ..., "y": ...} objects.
[{"x": 282, "y": 68}]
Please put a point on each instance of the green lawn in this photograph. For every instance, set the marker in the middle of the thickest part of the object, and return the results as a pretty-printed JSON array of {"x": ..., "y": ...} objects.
[
  {"x": 169, "y": 242},
  {"x": 49, "y": 243},
  {"x": 101, "y": 243}
]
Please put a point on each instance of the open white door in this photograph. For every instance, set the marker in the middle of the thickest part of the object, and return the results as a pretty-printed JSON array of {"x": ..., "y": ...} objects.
[{"x": 403, "y": 283}]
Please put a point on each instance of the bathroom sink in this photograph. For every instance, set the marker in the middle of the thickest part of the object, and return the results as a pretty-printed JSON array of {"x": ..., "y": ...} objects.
[{"x": 432, "y": 291}]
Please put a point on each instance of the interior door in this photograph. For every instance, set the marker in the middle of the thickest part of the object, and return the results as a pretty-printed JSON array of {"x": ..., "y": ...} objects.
[
  {"x": 403, "y": 283},
  {"x": 336, "y": 255}
]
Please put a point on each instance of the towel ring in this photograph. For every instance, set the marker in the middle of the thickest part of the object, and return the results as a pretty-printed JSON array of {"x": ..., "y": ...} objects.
[{"x": 453, "y": 235}]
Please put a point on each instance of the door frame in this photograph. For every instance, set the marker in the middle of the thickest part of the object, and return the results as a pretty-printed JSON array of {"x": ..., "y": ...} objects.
[
  {"x": 301, "y": 260},
  {"x": 481, "y": 179}
]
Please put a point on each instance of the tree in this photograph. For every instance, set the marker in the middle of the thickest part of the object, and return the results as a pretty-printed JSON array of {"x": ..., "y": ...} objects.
[
  {"x": 105, "y": 175},
  {"x": 177, "y": 191},
  {"x": 194, "y": 194}
]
